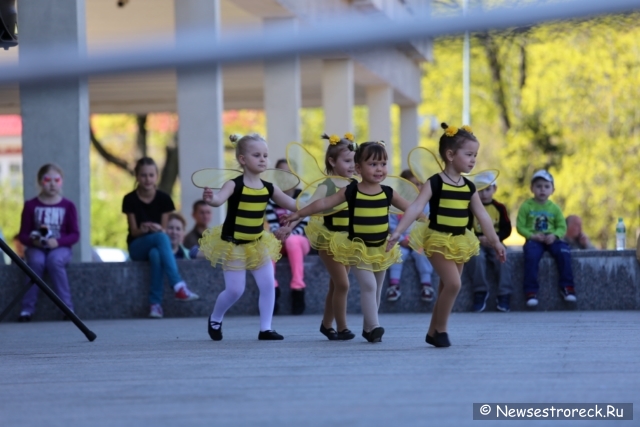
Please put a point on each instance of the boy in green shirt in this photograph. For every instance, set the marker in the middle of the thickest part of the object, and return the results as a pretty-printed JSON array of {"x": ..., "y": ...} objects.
[{"x": 542, "y": 223}]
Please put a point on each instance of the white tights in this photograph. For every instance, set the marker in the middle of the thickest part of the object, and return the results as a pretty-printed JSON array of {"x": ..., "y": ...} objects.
[
  {"x": 370, "y": 290},
  {"x": 234, "y": 284}
]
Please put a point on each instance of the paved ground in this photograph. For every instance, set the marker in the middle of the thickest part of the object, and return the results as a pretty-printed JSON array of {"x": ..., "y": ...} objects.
[{"x": 168, "y": 373}]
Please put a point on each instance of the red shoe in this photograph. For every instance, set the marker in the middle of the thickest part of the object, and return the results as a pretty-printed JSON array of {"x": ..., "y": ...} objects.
[{"x": 184, "y": 294}]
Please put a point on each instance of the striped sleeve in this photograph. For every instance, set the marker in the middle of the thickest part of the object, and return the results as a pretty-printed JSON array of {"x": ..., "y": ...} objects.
[
  {"x": 299, "y": 230},
  {"x": 272, "y": 217}
]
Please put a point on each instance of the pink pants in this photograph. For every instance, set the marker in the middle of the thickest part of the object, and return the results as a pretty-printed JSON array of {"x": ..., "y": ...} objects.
[{"x": 295, "y": 248}]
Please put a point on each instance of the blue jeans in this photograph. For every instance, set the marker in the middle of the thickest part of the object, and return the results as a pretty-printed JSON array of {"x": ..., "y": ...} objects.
[
  {"x": 533, "y": 252},
  {"x": 422, "y": 265},
  {"x": 156, "y": 248}
]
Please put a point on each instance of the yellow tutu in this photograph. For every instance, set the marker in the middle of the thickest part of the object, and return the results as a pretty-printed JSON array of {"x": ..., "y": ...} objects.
[
  {"x": 231, "y": 256},
  {"x": 457, "y": 248},
  {"x": 356, "y": 253},
  {"x": 319, "y": 235}
]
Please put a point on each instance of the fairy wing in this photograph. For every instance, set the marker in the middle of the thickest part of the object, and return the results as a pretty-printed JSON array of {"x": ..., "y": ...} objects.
[
  {"x": 423, "y": 163},
  {"x": 483, "y": 178},
  {"x": 284, "y": 180},
  {"x": 404, "y": 188},
  {"x": 303, "y": 164},
  {"x": 215, "y": 178},
  {"x": 321, "y": 188}
]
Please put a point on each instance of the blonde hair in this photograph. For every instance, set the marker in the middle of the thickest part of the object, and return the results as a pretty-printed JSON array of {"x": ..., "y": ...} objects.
[{"x": 240, "y": 143}]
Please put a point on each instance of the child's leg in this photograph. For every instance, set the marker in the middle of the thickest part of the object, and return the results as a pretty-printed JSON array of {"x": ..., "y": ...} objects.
[
  {"x": 395, "y": 271},
  {"x": 336, "y": 302},
  {"x": 562, "y": 254},
  {"x": 478, "y": 265},
  {"x": 505, "y": 287},
  {"x": 234, "y": 283},
  {"x": 370, "y": 287},
  {"x": 297, "y": 247},
  {"x": 56, "y": 263},
  {"x": 449, "y": 273},
  {"x": 263, "y": 276},
  {"x": 156, "y": 291},
  {"x": 424, "y": 267},
  {"x": 36, "y": 259},
  {"x": 156, "y": 248},
  {"x": 533, "y": 252}
]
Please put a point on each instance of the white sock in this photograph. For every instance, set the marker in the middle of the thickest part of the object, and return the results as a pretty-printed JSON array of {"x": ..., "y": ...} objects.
[{"x": 179, "y": 286}]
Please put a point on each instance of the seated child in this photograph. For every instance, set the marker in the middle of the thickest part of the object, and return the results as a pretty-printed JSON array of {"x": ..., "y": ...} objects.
[
  {"x": 542, "y": 223},
  {"x": 422, "y": 263},
  {"x": 477, "y": 268}
]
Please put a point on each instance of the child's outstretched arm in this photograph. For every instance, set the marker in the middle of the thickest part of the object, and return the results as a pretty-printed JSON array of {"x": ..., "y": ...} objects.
[
  {"x": 283, "y": 200},
  {"x": 317, "y": 206},
  {"x": 403, "y": 204},
  {"x": 411, "y": 213},
  {"x": 487, "y": 226},
  {"x": 219, "y": 198}
]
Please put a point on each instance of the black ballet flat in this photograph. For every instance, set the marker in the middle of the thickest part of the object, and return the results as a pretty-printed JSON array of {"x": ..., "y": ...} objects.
[
  {"x": 441, "y": 339},
  {"x": 345, "y": 335},
  {"x": 375, "y": 335},
  {"x": 214, "y": 334},
  {"x": 328, "y": 332}
]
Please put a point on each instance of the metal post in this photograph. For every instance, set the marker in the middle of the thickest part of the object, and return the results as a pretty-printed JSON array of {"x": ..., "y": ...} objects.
[
  {"x": 47, "y": 290},
  {"x": 466, "y": 78}
]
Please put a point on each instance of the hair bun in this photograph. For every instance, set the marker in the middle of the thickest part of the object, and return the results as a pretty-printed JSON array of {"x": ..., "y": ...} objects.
[
  {"x": 443, "y": 125},
  {"x": 324, "y": 136},
  {"x": 234, "y": 138}
]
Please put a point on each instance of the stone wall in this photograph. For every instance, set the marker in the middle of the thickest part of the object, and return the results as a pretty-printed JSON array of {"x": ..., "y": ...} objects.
[{"x": 605, "y": 280}]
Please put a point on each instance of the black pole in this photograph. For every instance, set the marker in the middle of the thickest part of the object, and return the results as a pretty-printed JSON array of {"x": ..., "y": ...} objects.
[{"x": 47, "y": 290}]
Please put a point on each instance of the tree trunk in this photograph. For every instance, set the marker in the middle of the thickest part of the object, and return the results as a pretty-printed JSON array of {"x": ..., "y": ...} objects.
[
  {"x": 169, "y": 173},
  {"x": 141, "y": 138}
]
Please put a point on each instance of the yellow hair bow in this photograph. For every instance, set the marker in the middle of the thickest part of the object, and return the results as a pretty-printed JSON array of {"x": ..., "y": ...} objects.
[
  {"x": 451, "y": 131},
  {"x": 334, "y": 139},
  {"x": 348, "y": 136},
  {"x": 467, "y": 128}
]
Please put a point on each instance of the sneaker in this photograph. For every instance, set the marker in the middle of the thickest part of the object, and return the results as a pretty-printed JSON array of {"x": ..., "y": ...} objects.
[
  {"x": 375, "y": 335},
  {"x": 504, "y": 304},
  {"x": 24, "y": 317},
  {"x": 480, "y": 301},
  {"x": 532, "y": 300},
  {"x": 215, "y": 330},
  {"x": 427, "y": 293},
  {"x": 184, "y": 294},
  {"x": 269, "y": 335},
  {"x": 155, "y": 312},
  {"x": 393, "y": 293},
  {"x": 568, "y": 294}
]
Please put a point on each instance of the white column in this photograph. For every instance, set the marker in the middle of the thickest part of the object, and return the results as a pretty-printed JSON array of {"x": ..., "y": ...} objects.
[
  {"x": 379, "y": 100},
  {"x": 337, "y": 95},
  {"x": 409, "y": 132},
  {"x": 200, "y": 108},
  {"x": 55, "y": 116},
  {"x": 282, "y": 99}
]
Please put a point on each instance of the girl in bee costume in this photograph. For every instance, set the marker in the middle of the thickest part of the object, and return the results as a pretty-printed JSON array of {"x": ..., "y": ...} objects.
[
  {"x": 446, "y": 239},
  {"x": 241, "y": 242}
]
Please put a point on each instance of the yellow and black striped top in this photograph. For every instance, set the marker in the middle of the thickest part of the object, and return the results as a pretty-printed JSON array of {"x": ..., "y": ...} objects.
[
  {"x": 338, "y": 221},
  {"x": 245, "y": 212},
  {"x": 449, "y": 205},
  {"x": 369, "y": 214}
]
